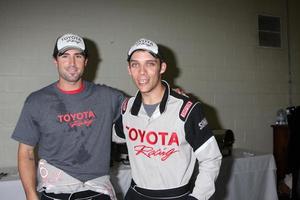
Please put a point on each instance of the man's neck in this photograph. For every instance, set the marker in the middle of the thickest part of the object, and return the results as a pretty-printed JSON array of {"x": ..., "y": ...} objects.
[
  {"x": 154, "y": 96},
  {"x": 69, "y": 86}
]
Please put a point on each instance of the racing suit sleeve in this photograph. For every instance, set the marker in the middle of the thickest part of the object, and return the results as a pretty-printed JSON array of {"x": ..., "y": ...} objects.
[{"x": 207, "y": 152}]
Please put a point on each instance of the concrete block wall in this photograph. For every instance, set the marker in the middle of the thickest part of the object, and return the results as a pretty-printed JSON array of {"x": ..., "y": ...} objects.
[
  {"x": 294, "y": 33},
  {"x": 212, "y": 47}
]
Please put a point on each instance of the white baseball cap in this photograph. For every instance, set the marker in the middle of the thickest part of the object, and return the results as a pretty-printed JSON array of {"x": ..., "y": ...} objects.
[
  {"x": 69, "y": 41},
  {"x": 144, "y": 44}
]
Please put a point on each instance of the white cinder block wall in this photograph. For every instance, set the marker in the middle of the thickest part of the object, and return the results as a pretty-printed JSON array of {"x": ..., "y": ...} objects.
[{"x": 211, "y": 46}]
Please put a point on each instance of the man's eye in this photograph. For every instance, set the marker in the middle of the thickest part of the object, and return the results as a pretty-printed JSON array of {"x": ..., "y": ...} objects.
[
  {"x": 151, "y": 64},
  {"x": 134, "y": 65}
]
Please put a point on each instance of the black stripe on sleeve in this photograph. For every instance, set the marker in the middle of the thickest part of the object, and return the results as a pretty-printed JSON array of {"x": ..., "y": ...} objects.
[{"x": 196, "y": 128}]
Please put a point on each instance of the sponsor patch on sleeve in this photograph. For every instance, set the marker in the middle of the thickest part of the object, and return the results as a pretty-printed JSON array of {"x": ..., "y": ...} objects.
[
  {"x": 186, "y": 109},
  {"x": 202, "y": 124}
]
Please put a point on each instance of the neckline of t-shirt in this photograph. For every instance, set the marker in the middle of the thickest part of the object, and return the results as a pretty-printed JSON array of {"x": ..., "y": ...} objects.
[{"x": 71, "y": 92}]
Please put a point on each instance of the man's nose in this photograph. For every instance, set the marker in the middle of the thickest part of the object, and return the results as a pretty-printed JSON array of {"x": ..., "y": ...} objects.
[
  {"x": 72, "y": 61},
  {"x": 142, "y": 69}
]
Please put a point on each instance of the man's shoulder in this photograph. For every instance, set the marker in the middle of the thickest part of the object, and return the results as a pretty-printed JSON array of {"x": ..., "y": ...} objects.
[
  {"x": 41, "y": 94},
  {"x": 187, "y": 104},
  {"x": 99, "y": 86},
  {"x": 106, "y": 88},
  {"x": 183, "y": 98}
]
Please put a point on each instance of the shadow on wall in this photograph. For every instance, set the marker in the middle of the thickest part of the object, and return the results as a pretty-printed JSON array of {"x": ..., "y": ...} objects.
[
  {"x": 93, "y": 62},
  {"x": 210, "y": 114},
  {"x": 170, "y": 76},
  {"x": 172, "y": 71}
]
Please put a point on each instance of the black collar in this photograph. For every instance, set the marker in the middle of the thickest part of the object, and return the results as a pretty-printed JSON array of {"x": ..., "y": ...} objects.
[{"x": 136, "y": 106}]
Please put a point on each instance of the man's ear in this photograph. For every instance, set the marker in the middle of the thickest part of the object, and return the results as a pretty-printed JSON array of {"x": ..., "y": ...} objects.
[
  {"x": 86, "y": 62},
  {"x": 163, "y": 67},
  {"x": 128, "y": 69},
  {"x": 55, "y": 61}
]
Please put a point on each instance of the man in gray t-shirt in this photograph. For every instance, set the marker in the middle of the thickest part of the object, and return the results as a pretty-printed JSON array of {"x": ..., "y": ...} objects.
[{"x": 70, "y": 122}]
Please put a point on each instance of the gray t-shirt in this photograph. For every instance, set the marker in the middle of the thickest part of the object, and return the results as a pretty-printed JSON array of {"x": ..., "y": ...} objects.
[
  {"x": 150, "y": 108},
  {"x": 72, "y": 131}
]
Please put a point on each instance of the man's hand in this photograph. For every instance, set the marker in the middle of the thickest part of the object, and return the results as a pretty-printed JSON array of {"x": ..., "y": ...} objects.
[{"x": 179, "y": 91}]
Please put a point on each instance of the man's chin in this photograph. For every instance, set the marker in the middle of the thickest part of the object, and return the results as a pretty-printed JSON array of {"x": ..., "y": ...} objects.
[
  {"x": 74, "y": 78},
  {"x": 144, "y": 90}
]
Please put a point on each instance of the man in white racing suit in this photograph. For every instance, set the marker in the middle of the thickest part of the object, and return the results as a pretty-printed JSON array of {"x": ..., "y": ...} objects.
[{"x": 166, "y": 133}]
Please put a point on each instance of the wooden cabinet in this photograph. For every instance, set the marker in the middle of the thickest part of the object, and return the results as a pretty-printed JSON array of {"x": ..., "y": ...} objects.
[{"x": 280, "y": 149}]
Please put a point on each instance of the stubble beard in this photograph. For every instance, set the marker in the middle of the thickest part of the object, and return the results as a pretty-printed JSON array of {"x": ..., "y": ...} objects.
[{"x": 71, "y": 77}]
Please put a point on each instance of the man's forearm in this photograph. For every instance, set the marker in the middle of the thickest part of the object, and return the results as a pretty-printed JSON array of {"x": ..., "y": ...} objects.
[{"x": 27, "y": 171}]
